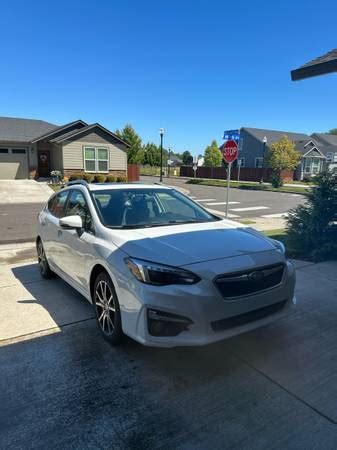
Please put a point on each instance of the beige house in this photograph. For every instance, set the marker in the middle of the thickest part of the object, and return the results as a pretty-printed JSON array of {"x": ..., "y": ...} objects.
[{"x": 33, "y": 148}]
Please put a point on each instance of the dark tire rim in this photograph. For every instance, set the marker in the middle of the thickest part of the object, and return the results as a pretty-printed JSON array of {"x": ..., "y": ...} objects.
[
  {"x": 105, "y": 307},
  {"x": 42, "y": 260}
]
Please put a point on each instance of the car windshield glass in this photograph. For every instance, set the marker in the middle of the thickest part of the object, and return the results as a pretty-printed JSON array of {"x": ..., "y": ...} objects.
[{"x": 139, "y": 208}]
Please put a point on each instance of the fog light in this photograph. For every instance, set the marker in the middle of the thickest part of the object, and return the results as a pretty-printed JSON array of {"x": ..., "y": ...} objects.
[{"x": 161, "y": 323}]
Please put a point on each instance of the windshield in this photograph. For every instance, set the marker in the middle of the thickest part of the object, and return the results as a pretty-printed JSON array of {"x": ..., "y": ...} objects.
[{"x": 138, "y": 208}]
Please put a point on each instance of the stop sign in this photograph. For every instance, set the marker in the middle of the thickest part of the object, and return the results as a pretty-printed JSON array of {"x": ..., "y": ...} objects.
[{"x": 230, "y": 151}]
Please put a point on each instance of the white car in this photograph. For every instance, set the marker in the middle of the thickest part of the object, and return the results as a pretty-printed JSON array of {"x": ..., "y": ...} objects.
[{"x": 160, "y": 268}]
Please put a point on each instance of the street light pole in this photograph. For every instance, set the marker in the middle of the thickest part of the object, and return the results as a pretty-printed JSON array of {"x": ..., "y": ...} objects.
[
  {"x": 264, "y": 140},
  {"x": 161, "y": 132}
]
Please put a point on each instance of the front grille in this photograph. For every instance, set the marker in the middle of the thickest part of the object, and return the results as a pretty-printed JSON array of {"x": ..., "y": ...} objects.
[
  {"x": 243, "y": 283},
  {"x": 251, "y": 316}
]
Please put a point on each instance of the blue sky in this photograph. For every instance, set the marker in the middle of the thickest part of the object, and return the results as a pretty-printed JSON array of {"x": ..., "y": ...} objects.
[{"x": 195, "y": 68}]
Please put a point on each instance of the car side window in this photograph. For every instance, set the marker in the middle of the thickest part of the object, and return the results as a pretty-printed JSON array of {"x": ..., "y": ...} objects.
[
  {"x": 57, "y": 207},
  {"x": 50, "y": 203},
  {"x": 77, "y": 206}
]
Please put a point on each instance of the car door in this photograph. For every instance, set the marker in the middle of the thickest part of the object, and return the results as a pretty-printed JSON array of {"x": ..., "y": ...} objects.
[
  {"x": 51, "y": 228},
  {"x": 78, "y": 251}
]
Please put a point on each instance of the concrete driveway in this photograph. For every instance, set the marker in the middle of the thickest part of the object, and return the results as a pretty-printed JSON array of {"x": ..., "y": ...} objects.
[
  {"x": 272, "y": 388},
  {"x": 13, "y": 192},
  {"x": 20, "y": 201}
]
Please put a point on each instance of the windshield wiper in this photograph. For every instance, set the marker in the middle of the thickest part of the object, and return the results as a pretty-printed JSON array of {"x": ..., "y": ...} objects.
[{"x": 156, "y": 224}]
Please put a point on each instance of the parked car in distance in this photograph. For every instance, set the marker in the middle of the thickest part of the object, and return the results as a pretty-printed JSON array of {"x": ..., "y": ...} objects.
[{"x": 160, "y": 268}]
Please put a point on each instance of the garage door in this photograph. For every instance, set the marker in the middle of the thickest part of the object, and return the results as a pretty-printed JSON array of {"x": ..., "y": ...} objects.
[{"x": 13, "y": 163}]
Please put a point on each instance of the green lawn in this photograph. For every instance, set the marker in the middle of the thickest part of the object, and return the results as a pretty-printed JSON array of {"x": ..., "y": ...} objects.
[
  {"x": 253, "y": 186},
  {"x": 281, "y": 235}
]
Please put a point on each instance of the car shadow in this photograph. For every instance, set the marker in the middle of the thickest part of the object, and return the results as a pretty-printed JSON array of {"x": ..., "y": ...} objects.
[{"x": 63, "y": 303}]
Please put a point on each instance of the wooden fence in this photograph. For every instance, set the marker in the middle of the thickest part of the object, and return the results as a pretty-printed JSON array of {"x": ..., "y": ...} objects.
[
  {"x": 246, "y": 173},
  {"x": 133, "y": 172}
]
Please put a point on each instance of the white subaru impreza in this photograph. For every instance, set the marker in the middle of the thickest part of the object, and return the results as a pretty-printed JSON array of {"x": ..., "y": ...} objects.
[{"x": 160, "y": 268}]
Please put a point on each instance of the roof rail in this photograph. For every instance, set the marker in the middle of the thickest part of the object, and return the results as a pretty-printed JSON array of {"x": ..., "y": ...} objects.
[{"x": 82, "y": 182}]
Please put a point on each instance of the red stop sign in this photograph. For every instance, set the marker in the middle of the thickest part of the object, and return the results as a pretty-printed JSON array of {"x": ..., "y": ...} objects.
[{"x": 230, "y": 151}]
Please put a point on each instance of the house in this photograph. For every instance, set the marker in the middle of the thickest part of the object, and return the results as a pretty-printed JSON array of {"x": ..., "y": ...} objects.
[
  {"x": 254, "y": 142},
  {"x": 328, "y": 146},
  {"x": 33, "y": 148}
]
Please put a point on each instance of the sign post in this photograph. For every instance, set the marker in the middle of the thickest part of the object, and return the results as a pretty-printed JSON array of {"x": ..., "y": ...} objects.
[
  {"x": 230, "y": 153},
  {"x": 195, "y": 165}
]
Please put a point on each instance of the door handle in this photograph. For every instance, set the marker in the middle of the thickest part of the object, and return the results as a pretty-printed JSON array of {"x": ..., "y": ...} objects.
[{"x": 59, "y": 233}]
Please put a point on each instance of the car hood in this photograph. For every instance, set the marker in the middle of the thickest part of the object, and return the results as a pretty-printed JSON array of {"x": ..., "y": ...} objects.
[{"x": 179, "y": 245}]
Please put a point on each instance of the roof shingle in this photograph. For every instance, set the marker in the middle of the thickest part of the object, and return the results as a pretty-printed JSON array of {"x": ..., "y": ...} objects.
[{"x": 22, "y": 130}]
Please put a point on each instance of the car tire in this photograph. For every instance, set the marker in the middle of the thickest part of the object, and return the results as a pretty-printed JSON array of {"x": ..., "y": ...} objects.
[
  {"x": 45, "y": 270},
  {"x": 107, "y": 311}
]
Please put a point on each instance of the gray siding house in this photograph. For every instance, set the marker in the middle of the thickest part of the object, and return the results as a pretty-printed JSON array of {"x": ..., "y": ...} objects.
[
  {"x": 251, "y": 148},
  {"x": 33, "y": 148}
]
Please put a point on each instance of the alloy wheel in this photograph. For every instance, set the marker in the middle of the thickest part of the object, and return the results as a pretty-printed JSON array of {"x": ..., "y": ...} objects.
[
  {"x": 105, "y": 307},
  {"x": 41, "y": 258}
]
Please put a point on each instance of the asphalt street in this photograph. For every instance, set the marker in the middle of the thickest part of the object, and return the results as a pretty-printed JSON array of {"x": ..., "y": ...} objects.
[
  {"x": 18, "y": 222},
  {"x": 244, "y": 204}
]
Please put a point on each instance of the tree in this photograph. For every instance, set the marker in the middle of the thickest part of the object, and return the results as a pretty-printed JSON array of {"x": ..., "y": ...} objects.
[
  {"x": 333, "y": 131},
  {"x": 282, "y": 155},
  {"x": 151, "y": 154},
  {"x": 135, "y": 152},
  {"x": 187, "y": 158},
  {"x": 312, "y": 227},
  {"x": 212, "y": 155}
]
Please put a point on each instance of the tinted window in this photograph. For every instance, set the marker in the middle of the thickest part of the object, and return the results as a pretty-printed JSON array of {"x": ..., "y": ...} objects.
[
  {"x": 147, "y": 207},
  {"x": 77, "y": 206},
  {"x": 3, "y": 150},
  {"x": 58, "y": 204}
]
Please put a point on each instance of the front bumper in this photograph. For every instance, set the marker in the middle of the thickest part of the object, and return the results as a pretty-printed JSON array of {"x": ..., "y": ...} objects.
[{"x": 203, "y": 305}]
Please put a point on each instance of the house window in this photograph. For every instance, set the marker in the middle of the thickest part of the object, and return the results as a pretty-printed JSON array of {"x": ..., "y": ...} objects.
[
  {"x": 96, "y": 159},
  {"x": 18, "y": 151},
  {"x": 329, "y": 156},
  {"x": 102, "y": 160},
  {"x": 312, "y": 165},
  {"x": 315, "y": 165},
  {"x": 259, "y": 162}
]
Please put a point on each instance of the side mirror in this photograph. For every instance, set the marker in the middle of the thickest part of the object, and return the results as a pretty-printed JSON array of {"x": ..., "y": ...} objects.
[{"x": 71, "y": 222}]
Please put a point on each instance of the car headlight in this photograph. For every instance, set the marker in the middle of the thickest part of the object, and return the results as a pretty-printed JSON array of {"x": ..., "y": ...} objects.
[
  {"x": 159, "y": 274},
  {"x": 280, "y": 246}
]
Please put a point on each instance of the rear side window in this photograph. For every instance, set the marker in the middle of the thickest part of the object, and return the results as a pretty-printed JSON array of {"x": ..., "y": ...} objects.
[
  {"x": 58, "y": 204},
  {"x": 50, "y": 203}
]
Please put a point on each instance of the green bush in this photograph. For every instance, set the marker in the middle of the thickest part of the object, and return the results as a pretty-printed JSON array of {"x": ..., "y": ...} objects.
[
  {"x": 312, "y": 227},
  {"x": 76, "y": 176},
  {"x": 88, "y": 177},
  {"x": 195, "y": 181},
  {"x": 99, "y": 179},
  {"x": 276, "y": 179},
  {"x": 121, "y": 179},
  {"x": 110, "y": 179}
]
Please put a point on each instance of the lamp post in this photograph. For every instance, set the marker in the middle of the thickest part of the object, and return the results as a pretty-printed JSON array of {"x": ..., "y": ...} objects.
[
  {"x": 264, "y": 140},
  {"x": 161, "y": 132}
]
